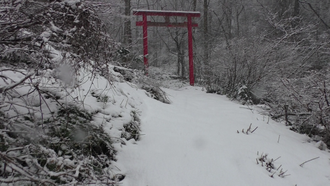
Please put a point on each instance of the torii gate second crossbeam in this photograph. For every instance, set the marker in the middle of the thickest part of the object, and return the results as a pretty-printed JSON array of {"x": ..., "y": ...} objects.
[{"x": 167, "y": 14}]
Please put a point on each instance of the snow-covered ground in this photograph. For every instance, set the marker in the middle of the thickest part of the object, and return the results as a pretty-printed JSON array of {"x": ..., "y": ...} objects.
[{"x": 198, "y": 141}]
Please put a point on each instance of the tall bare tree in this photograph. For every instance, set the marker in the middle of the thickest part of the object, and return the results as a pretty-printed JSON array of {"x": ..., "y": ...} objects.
[
  {"x": 127, "y": 24},
  {"x": 206, "y": 45}
]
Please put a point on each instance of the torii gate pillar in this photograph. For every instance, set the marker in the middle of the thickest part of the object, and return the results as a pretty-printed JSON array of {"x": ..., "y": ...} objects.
[{"x": 145, "y": 23}]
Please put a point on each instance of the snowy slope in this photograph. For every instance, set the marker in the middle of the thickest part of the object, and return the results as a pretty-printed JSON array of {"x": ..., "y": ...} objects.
[{"x": 195, "y": 142}]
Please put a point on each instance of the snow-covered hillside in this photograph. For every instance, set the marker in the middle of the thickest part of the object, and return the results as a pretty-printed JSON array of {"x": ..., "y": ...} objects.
[
  {"x": 197, "y": 139},
  {"x": 202, "y": 140}
]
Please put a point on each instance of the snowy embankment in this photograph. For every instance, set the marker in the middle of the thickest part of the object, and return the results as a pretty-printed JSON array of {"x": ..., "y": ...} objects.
[{"x": 197, "y": 140}]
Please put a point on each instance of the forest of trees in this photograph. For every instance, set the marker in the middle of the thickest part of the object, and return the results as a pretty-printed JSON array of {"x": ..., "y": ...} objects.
[{"x": 270, "y": 51}]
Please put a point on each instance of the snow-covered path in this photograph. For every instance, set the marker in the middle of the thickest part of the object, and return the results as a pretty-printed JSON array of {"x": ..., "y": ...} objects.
[{"x": 194, "y": 142}]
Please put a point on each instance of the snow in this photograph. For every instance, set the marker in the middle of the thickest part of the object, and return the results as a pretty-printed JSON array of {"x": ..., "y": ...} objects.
[
  {"x": 166, "y": 11},
  {"x": 55, "y": 28},
  {"x": 198, "y": 140},
  {"x": 73, "y": 3}
]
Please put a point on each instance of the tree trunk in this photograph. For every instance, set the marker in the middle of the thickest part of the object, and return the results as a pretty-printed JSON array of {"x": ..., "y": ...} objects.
[
  {"x": 194, "y": 5},
  {"x": 181, "y": 62},
  {"x": 296, "y": 8},
  {"x": 127, "y": 25},
  {"x": 180, "y": 54},
  {"x": 206, "y": 41},
  {"x": 228, "y": 17},
  {"x": 239, "y": 10}
]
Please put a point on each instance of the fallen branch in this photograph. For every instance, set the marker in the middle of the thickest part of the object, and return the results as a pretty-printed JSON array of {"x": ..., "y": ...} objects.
[{"x": 301, "y": 165}]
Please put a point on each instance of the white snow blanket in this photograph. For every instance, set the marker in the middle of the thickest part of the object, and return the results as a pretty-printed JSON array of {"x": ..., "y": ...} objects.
[{"x": 198, "y": 141}]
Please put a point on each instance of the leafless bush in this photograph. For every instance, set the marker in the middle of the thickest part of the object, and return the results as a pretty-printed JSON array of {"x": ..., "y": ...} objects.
[
  {"x": 37, "y": 122},
  {"x": 298, "y": 87},
  {"x": 31, "y": 30},
  {"x": 242, "y": 64},
  {"x": 307, "y": 101},
  {"x": 43, "y": 139}
]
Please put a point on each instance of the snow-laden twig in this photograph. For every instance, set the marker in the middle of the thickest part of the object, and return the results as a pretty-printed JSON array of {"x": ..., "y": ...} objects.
[
  {"x": 29, "y": 176},
  {"x": 9, "y": 87},
  {"x": 77, "y": 170},
  {"x": 301, "y": 165}
]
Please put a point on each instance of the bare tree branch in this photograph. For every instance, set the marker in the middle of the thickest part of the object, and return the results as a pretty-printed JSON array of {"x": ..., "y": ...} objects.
[
  {"x": 316, "y": 13},
  {"x": 12, "y": 86}
]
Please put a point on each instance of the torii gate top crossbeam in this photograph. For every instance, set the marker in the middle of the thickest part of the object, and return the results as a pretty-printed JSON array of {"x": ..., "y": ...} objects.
[{"x": 167, "y": 14}]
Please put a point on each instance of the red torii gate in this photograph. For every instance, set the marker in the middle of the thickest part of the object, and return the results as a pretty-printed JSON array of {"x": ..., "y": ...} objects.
[{"x": 167, "y": 14}]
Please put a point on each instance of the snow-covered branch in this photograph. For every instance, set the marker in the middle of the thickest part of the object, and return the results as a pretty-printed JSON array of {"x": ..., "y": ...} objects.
[{"x": 4, "y": 89}]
